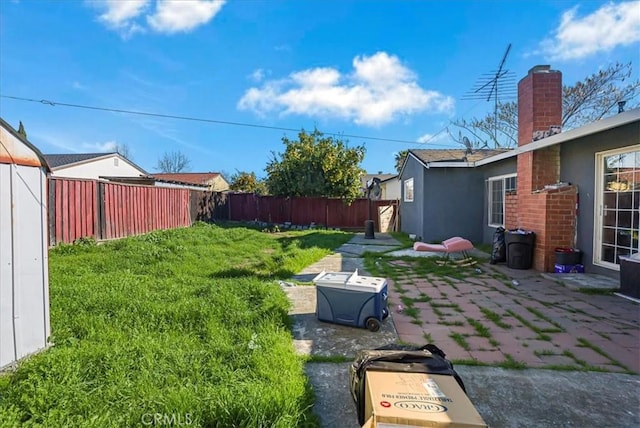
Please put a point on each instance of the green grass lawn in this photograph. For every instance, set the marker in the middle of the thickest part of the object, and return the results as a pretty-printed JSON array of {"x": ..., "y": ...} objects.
[{"x": 185, "y": 325}]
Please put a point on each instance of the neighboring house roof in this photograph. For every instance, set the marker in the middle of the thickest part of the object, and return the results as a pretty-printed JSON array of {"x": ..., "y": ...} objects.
[
  {"x": 382, "y": 177},
  {"x": 149, "y": 180},
  {"x": 65, "y": 160},
  {"x": 454, "y": 155},
  {"x": 188, "y": 177}
]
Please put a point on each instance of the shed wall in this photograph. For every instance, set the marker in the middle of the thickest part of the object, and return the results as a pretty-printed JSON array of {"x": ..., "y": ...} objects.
[{"x": 24, "y": 278}]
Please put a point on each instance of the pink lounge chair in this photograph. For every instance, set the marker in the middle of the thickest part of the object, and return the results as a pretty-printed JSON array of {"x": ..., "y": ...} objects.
[{"x": 447, "y": 247}]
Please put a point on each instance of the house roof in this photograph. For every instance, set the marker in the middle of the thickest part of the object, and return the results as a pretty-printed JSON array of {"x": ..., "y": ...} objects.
[
  {"x": 63, "y": 160},
  {"x": 454, "y": 155},
  {"x": 620, "y": 119},
  {"x": 66, "y": 159},
  {"x": 188, "y": 177},
  {"x": 150, "y": 180}
]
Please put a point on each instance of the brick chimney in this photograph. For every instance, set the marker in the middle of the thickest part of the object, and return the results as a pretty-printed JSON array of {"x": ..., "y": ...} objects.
[
  {"x": 539, "y": 102},
  {"x": 548, "y": 213},
  {"x": 539, "y": 114}
]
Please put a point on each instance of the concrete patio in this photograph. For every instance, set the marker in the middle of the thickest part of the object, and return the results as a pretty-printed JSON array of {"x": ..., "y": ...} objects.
[{"x": 589, "y": 341}]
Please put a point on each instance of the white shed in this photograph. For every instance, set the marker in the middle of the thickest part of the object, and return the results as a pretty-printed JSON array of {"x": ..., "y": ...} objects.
[{"x": 24, "y": 262}]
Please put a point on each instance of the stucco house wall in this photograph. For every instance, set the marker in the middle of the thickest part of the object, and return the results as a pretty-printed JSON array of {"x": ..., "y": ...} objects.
[
  {"x": 495, "y": 169},
  {"x": 411, "y": 213},
  {"x": 447, "y": 202},
  {"x": 577, "y": 166}
]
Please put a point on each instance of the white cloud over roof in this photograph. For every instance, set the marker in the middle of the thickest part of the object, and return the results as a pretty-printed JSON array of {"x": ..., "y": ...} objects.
[
  {"x": 378, "y": 90},
  {"x": 169, "y": 16},
  {"x": 610, "y": 26}
]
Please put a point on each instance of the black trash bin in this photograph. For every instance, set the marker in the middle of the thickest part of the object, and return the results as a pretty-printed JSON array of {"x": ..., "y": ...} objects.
[
  {"x": 368, "y": 229},
  {"x": 519, "y": 245}
]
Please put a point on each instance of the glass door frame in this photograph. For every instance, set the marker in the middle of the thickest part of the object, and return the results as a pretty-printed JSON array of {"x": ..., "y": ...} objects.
[{"x": 598, "y": 258}]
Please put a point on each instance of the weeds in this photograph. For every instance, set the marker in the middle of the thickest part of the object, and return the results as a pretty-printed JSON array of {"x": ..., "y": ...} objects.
[
  {"x": 479, "y": 328},
  {"x": 460, "y": 340},
  {"x": 512, "y": 364},
  {"x": 495, "y": 318},
  {"x": 540, "y": 332}
]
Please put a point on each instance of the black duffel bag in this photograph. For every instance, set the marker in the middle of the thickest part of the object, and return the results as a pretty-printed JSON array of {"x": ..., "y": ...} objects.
[{"x": 397, "y": 358}]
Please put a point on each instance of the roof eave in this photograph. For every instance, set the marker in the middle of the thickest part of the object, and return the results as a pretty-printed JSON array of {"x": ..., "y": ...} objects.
[{"x": 621, "y": 119}]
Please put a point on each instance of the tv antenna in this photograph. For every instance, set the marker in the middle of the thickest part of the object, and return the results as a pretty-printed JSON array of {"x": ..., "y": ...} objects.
[{"x": 493, "y": 85}]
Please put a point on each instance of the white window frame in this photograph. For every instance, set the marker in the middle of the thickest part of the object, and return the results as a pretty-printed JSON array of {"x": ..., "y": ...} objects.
[
  {"x": 598, "y": 205},
  {"x": 408, "y": 193},
  {"x": 490, "y": 181}
]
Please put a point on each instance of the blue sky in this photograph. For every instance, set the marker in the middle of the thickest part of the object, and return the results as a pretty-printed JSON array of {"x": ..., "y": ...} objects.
[{"x": 395, "y": 70}]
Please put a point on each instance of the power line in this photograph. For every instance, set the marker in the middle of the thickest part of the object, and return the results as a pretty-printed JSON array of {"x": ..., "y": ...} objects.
[{"x": 221, "y": 122}]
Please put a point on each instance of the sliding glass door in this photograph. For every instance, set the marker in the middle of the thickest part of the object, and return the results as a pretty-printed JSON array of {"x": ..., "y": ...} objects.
[{"x": 617, "y": 205}]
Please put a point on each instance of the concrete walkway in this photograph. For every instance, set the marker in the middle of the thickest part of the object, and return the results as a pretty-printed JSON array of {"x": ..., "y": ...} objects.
[{"x": 485, "y": 318}]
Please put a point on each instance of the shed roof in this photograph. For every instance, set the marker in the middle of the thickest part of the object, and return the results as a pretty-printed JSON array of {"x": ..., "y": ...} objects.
[{"x": 13, "y": 153}]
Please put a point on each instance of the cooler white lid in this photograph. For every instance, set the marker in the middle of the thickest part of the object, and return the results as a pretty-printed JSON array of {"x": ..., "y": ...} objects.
[{"x": 350, "y": 281}]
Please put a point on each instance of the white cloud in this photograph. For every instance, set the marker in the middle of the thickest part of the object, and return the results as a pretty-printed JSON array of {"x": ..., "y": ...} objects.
[
  {"x": 173, "y": 16},
  {"x": 119, "y": 15},
  {"x": 108, "y": 146},
  {"x": 610, "y": 26},
  {"x": 378, "y": 90},
  {"x": 257, "y": 75},
  {"x": 170, "y": 16}
]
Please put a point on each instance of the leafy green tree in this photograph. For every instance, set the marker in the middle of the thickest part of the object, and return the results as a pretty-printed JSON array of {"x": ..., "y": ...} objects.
[
  {"x": 399, "y": 158},
  {"x": 315, "y": 165},
  {"x": 243, "y": 181},
  {"x": 595, "y": 97}
]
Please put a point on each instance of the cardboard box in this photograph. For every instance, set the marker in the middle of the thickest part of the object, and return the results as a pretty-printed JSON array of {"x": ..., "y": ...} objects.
[{"x": 403, "y": 400}]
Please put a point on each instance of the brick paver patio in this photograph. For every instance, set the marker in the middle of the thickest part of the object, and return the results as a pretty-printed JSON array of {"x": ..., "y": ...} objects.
[{"x": 485, "y": 318}]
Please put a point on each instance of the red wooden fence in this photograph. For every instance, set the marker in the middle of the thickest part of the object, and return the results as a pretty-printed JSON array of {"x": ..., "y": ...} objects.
[
  {"x": 74, "y": 205},
  {"x": 134, "y": 210},
  {"x": 330, "y": 212},
  {"x": 90, "y": 208}
]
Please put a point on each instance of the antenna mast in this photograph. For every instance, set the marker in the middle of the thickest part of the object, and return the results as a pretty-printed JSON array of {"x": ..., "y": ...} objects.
[{"x": 490, "y": 85}]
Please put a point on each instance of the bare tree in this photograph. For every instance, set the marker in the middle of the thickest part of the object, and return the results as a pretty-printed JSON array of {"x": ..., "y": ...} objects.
[
  {"x": 595, "y": 97},
  {"x": 123, "y": 150},
  {"x": 173, "y": 162}
]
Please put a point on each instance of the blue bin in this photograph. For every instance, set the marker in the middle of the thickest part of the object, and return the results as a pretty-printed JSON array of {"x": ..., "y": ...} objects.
[{"x": 351, "y": 299}]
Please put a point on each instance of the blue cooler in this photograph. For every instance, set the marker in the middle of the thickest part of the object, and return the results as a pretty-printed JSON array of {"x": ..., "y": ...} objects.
[{"x": 350, "y": 299}]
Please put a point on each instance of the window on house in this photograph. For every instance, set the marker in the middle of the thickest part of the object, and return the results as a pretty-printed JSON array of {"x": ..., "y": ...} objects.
[
  {"x": 496, "y": 189},
  {"x": 115, "y": 161},
  {"x": 408, "y": 190}
]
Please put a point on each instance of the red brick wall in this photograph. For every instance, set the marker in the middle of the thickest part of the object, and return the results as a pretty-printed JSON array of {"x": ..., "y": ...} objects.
[{"x": 511, "y": 210}]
